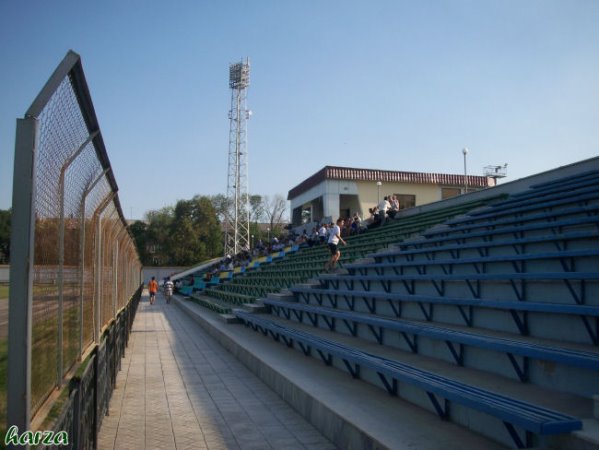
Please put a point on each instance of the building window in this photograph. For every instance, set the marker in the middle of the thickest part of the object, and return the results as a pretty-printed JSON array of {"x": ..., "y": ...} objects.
[
  {"x": 406, "y": 200},
  {"x": 448, "y": 192},
  {"x": 306, "y": 214}
]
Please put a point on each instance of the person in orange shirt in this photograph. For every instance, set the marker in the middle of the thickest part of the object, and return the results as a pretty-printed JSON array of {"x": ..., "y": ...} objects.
[{"x": 153, "y": 288}]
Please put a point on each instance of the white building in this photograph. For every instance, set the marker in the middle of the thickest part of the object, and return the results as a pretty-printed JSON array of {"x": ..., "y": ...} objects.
[{"x": 334, "y": 192}]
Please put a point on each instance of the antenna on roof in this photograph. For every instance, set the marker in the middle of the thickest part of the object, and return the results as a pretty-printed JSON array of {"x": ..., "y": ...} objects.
[{"x": 496, "y": 172}]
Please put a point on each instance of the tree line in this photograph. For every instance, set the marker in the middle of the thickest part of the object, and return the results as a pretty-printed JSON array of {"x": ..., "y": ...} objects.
[
  {"x": 189, "y": 231},
  {"x": 5, "y": 216}
]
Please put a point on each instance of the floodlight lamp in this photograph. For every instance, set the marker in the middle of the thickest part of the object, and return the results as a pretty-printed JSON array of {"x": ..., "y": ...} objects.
[{"x": 239, "y": 75}]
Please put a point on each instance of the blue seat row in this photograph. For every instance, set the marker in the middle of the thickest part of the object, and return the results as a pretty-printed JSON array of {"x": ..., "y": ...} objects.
[
  {"x": 377, "y": 325},
  {"x": 466, "y": 225},
  {"x": 473, "y": 281},
  {"x": 518, "y": 310},
  {"x": 440, "y": 390},
  {"x": 518, "y": 206},
  {"x": 517, "y": 231},
  {"x": 566, "y": 258},
  {"x": 561, "y": 241},
  {"x": 565, "y": 182}
]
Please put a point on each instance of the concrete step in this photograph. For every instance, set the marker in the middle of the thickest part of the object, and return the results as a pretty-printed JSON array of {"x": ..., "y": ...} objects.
[
  {"x": 574, "y": 405},
  {"x": 356, "y": 414},
  {"x": 353, "y": 415}
]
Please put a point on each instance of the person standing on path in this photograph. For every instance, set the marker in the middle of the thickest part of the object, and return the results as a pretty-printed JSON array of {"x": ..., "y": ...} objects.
[
  {"x": 334, "y": 238},
  {"x": 168, "y": 289},
  {"x": 153, "y": 288}
]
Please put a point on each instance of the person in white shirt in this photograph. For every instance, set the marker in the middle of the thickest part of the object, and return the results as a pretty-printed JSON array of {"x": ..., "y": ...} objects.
[
  {"x": 334, "y": 239},
  {"x": 322, "y": 233},
  {"x": 168, "y": 290},
  {"x": 383, "y": 208}
]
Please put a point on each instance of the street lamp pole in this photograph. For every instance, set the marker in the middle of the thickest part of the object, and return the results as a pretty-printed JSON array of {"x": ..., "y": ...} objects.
[
  {"x": 465, "y": 152},
  {"x": 378, "y": 192}
]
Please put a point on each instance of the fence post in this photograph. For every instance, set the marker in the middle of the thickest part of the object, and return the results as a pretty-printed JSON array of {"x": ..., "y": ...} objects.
[
  {"x": 96, "y": 383},
  {"x": 98, "y": 263},
  {"x": 115, "y": 268},
  {"x": 63, "y": 171},
  {"x": 87, "y": 191},
  {"x": 21, "y": 275}
]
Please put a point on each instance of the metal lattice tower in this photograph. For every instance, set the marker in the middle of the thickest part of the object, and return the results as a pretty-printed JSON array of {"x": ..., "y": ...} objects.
[{"x": 237, "y": 222}]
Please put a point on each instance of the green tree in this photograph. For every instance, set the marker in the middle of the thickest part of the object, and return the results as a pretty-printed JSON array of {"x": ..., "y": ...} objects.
[
  {"x": 274, "y": 210},
  {"x": 139, "y": 230},
  {"x": 5, "y": 218},
  {"x": 222, "y": 206},
  {"x": 206, "y": 219},
  {"x": 186, "y": 247},
  {"x": 257, "y": 208},
  {"x": 182, "y": 235},
  {"x": 158, "y": 238}
]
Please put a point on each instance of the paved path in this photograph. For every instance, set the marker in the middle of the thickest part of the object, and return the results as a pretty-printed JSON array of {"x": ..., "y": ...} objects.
[{"x": 179, "y": 389}]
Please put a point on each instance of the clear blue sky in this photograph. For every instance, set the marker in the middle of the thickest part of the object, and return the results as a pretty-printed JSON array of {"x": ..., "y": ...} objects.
[{"x": 398, "y": 85}]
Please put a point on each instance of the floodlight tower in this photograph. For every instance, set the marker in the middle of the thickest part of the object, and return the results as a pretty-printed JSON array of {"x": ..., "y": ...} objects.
[{"x": 237, "y": 222}]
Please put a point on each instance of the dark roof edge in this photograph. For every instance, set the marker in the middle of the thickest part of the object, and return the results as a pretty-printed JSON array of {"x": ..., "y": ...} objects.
[{"x": 389, "y": 176}]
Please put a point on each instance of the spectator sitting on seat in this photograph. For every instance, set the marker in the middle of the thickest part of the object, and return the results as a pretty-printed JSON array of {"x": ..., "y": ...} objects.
[
  {"x": 394, "y": 207},
  {"x": 373, "y": 221},
  {"x": 322, "y": 233},
  {"x": 314, "y": 236},
  {"x": 277, "y": 245},
  {"x": 346, "y": 231},
  {"x": 356, "y": 223},
  {"x": 299, "y": 240}
]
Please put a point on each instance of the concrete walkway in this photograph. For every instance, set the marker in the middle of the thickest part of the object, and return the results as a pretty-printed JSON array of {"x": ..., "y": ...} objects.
[{"x": 179, "y": 389}]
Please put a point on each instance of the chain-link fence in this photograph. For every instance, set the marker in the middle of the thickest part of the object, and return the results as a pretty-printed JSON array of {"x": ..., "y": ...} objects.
[{"x": 74, "y": 265}]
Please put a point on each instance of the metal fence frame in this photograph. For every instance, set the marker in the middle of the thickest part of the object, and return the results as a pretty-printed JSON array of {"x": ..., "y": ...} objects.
[
  {"x": 94, "y": 223},
  {"x": 89, "y": 394}
]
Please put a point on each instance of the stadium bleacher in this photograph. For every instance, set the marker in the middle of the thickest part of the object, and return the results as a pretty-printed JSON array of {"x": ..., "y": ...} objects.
[
  {"x": 457, "y": 310},
  {"x": 284, "y": 271}
]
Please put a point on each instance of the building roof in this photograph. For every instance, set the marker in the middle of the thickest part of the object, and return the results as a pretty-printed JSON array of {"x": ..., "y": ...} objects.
[{"x": 386, "y": 176}]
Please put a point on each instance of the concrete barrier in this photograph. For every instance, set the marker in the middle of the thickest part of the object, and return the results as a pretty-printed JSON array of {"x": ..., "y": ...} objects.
[{"x": 4, "y": 274}]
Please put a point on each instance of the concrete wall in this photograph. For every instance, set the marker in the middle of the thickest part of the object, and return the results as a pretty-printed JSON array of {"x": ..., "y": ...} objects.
[
  {"x": 368, "y": 193},
  {"x": 4, "y": 274},
  {"x": 160, "y": 272}
]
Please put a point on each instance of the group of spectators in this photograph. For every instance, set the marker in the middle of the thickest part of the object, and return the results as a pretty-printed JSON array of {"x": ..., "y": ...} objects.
[
  {"x": 351, "y": 226},
  {"x": 242, "y": 259},
  {"x": 388, "y": 207}
]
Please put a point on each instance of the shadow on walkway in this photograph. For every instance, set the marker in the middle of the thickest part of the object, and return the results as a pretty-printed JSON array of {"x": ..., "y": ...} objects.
[{"x": 179, "y": 389}]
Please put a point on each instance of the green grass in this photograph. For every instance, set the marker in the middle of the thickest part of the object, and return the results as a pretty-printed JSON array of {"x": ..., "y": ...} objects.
[
  {"x": 43, "y": 374},
  {"x": 4, "y": 288}
]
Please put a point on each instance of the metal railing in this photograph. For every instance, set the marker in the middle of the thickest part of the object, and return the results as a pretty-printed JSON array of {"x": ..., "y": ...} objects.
[
  {"x": 89, "y": 394},
  {"x": 74, "y": 265}
]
